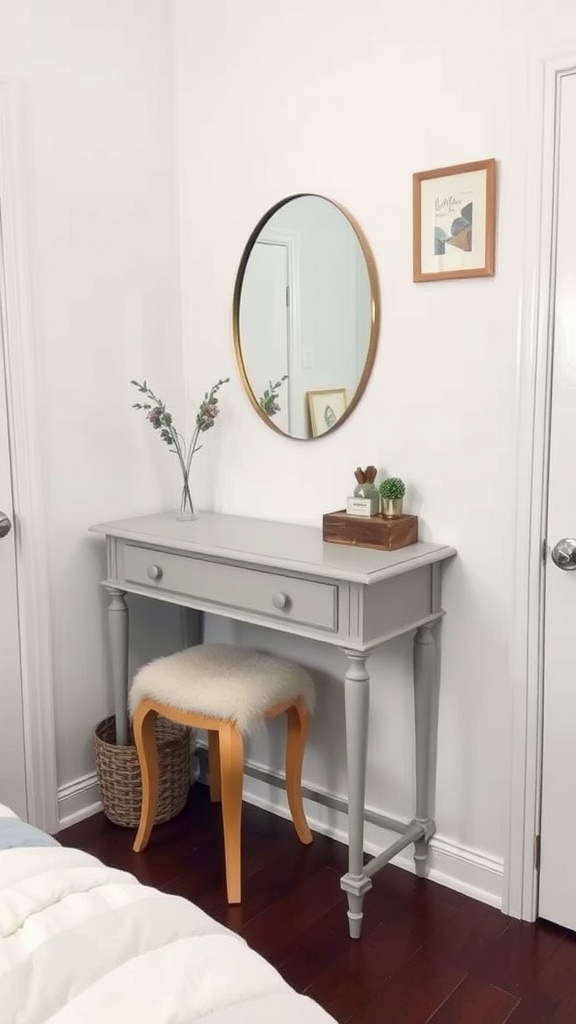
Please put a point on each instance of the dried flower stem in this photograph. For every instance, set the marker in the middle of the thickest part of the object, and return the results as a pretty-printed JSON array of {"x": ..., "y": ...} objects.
[{"x": 161, "y": 419}]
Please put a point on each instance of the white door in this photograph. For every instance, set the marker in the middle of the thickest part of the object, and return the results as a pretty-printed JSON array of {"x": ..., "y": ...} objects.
[
  {"x": 12, "y": 765},
  {"x": 264, "y": 323},
  {"x": 557, "y": 890}
]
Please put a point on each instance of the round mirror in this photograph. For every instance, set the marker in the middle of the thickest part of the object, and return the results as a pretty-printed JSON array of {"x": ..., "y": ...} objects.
[{"x": 305, "y": 316}]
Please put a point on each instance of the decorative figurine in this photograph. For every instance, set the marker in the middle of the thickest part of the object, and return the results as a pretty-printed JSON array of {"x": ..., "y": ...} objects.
[{"x": 366, "y": 500}]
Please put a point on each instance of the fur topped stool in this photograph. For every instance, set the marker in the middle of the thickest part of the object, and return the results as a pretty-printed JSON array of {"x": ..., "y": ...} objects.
[{"x": 228, "y": 691}]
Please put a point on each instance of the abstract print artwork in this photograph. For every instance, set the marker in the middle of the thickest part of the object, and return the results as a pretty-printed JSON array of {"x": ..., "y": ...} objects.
[
  {"x": 453, "y": 224},
  {"x": 454, "y": 221}
]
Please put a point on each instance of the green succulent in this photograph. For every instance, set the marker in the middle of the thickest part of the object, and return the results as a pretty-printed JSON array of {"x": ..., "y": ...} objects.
[{"x": 392, "y": 488}]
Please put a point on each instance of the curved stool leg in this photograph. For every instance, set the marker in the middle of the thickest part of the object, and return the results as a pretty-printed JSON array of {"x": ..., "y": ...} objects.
[
  {"x": 231, "y": 782},
  {"x": 145, "y": 740},
  {"x": 298, "y": 720}
]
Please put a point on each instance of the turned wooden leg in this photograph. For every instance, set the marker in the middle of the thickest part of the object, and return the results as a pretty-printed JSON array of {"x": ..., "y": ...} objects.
[
  {"x": 298, "y": 720},
  {"x": 214, "y": 766},
  {"x": 145, "y": 740},
  {"x": 118, "y": 637},
  {"x": 231, "y": 781},
  {"x": 425, "y": 722},
  {"x": 357, "y": 697}
]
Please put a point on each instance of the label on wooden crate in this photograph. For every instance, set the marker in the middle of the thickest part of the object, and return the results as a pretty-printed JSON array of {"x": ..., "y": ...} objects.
[{"x": 359, "y": 506}]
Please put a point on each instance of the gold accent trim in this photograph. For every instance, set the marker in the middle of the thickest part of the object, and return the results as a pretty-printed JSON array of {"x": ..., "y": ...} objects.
[{"x": 374, "y": 313}]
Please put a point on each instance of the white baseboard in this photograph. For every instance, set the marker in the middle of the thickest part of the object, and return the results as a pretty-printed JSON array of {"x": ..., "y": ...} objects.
[
  {"x": 457, "y": 867},
  {"x": 464, "y": 870},
  {"x": 78, "y": 800},
  {"x": 467, "y": 871}
]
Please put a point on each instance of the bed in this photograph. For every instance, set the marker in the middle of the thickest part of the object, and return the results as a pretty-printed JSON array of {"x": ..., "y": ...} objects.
[{"x": 82, "y": 943}]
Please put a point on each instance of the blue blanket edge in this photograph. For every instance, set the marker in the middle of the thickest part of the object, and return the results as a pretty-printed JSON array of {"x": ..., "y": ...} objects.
[{"x": 15, "y": 833}]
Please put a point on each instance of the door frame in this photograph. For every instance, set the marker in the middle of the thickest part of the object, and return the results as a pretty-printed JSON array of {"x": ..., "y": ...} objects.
[
  {"x": 533, "y": 391},
  {"x": 290, "y": 241},
  {"x": 24, "y": 430}
]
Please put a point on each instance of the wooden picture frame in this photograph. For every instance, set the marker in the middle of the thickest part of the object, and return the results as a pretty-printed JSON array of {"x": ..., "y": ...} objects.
[
  {"x": 454, "y": 221},
  {"x": 325, "y": 408}
]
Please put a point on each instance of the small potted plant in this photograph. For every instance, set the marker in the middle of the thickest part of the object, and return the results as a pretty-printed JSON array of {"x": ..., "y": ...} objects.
[{"x": 392, "y": 491}]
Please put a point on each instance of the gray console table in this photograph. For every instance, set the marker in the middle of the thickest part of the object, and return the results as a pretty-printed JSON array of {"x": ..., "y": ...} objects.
[{"x": 284, "y": 577}]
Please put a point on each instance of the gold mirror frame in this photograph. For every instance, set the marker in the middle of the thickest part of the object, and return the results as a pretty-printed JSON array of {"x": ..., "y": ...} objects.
[{"x": 374, "y": 313}]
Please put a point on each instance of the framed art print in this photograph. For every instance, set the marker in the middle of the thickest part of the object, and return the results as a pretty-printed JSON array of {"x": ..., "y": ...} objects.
[
  {"x": 325, "y": 408},
  {"x": 454, "y": 214}
]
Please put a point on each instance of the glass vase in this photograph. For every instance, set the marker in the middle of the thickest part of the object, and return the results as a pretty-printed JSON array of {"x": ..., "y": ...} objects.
[{"x": 187, "y": 511}]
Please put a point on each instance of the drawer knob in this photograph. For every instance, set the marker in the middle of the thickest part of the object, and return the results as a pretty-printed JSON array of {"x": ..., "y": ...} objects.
[
  {"x": 154, "y": 572},
  {"x": 280, "y": 600}
]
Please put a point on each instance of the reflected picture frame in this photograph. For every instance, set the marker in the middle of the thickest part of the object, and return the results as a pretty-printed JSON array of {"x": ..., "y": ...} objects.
[
  {"x": 325, "y": 408},
  {"x": 454, "y": 221}
]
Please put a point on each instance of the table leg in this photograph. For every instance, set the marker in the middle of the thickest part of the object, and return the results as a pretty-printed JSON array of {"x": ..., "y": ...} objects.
[
  {"x": 424, "y": 704},
  {"x": 357, "y": 686},
  {"x": 118, "y": 636}
]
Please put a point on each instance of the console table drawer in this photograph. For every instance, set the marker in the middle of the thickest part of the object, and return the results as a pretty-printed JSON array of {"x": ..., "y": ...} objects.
[{"x": 230, "y": 586}]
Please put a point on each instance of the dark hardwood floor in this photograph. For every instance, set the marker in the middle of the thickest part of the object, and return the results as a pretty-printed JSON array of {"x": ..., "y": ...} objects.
[{"x": 426, "y": 952}]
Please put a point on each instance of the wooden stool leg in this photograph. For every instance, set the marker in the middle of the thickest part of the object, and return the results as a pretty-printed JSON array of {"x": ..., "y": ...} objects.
[
  {"x": 214, "y": 763},
  {"x": 232, "y": 778},
  {"x": 145, "y": 740},
  {"x": 298, "y": 727}
]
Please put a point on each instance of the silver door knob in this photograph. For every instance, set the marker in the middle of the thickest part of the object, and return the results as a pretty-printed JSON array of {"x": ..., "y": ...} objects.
[
  {"x": 564, "y": 553},
  {"x": 5, "y": 524}
]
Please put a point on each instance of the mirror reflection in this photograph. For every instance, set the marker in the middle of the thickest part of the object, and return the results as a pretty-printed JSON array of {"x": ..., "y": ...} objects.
[{"x": 305, "y": 316}]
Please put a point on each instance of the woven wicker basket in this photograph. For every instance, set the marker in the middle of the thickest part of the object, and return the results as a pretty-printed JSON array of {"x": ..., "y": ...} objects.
[{"x": 118, "y": 773}]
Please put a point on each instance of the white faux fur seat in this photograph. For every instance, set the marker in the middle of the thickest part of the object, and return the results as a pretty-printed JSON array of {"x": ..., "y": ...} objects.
[{"x": 228, "y": 691}]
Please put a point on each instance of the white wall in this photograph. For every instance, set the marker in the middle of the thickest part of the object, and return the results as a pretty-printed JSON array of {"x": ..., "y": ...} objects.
[
  {"x": 272, "y": 99},
  {"x": 96, "y": 123},
  {"x": 348, "y": 100}
]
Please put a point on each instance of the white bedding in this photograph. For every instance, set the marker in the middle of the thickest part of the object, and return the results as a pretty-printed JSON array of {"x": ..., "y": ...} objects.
[{"x": 81, "y": 943}]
